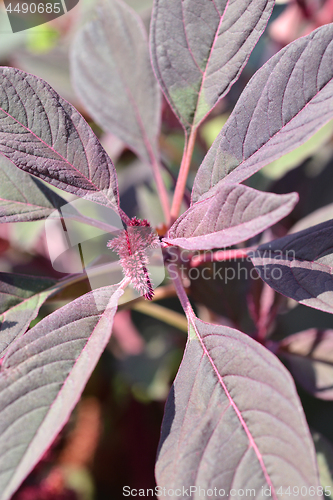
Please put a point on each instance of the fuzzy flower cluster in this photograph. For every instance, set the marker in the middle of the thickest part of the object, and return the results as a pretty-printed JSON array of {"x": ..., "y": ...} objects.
[{"x": 131, "y": 245}]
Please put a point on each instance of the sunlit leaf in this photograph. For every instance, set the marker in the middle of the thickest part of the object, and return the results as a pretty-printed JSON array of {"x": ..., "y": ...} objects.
[
  {"x": 272, "y": 116},
  {"x": 199, "y": 49},
  {"x": 280, "y": 167},
  {"x": 45, "y": 136},
  {"x": 234, "y": 214}
]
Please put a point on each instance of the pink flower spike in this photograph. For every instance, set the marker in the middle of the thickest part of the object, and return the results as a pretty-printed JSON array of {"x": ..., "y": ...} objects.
[{"x": 131, "y": 245}]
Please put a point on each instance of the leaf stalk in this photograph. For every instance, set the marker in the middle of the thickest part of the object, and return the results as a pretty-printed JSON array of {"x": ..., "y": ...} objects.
[
  {"x": 182, "y": 295},
  {"x": 161, "y": 189},
  {"x": 220, "y": 256},
  {"x": 182, "y": 177}
]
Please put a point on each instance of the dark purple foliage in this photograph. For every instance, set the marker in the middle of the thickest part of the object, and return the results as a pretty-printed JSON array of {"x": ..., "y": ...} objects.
[
  {"x": 233, "y": 419},
  {"x": 300, "y": 266}
]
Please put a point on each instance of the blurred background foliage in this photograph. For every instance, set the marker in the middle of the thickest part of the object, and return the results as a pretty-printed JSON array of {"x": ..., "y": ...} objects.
[{"x": 112, "y": 436}]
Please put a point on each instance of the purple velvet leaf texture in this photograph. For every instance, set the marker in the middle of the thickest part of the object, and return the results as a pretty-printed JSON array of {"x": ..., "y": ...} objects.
[
  {"x": 284, "y": 103},
  {"x": 233, "y": 421},
  {"x": 24, "y": 198},
  {"x": 199, "y": 49},
  {"x": 45, "y": 136},
  {"x": 300, "y": 266},
  {"x": 42, "y": 377},
  {"x": 234, "y": 214},
  {"x": 112, "y": 75},
  {"x": 309, "y": 357}
]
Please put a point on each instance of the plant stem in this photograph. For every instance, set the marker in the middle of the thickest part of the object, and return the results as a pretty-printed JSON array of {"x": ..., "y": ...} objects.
[
  {"x": 182, "y": 177},
  {"x": 162, "y": 313},
  {"x": 187, "y": 192},
  {"x": 124, "y": 283},
  {"x": 220, "y": 256},
  {"x": 183, "y": 298},
  {"x": 162, "y": 292},
  {"x": 265, "y": 313}
]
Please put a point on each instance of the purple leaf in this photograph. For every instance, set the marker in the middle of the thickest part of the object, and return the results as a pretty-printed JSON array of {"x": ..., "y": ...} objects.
[
  {"x": 309, "y": 357},
  {"x": 21, "y": 298},
  {"x": 23, "y": 197},
  {"x": 300, "y": 266},
  {"x": 45, "y": 136},
  {"x": 285, "y": 102},
  {"x": 199, "y": 49},
  {"x": 233, "y": 420},
  {"x": 113, "y": 77},
  {"x": 234, "y": 214},
  {"x": 42, "y": 377}
]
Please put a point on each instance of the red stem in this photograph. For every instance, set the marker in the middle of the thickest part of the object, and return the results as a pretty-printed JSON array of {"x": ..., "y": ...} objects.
[
  {"x": 161, "y": 189},
  {"x": 183, "y": 298},
  {"x": 220, "y": 256},
  {"x": 182, "y": 177}
]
